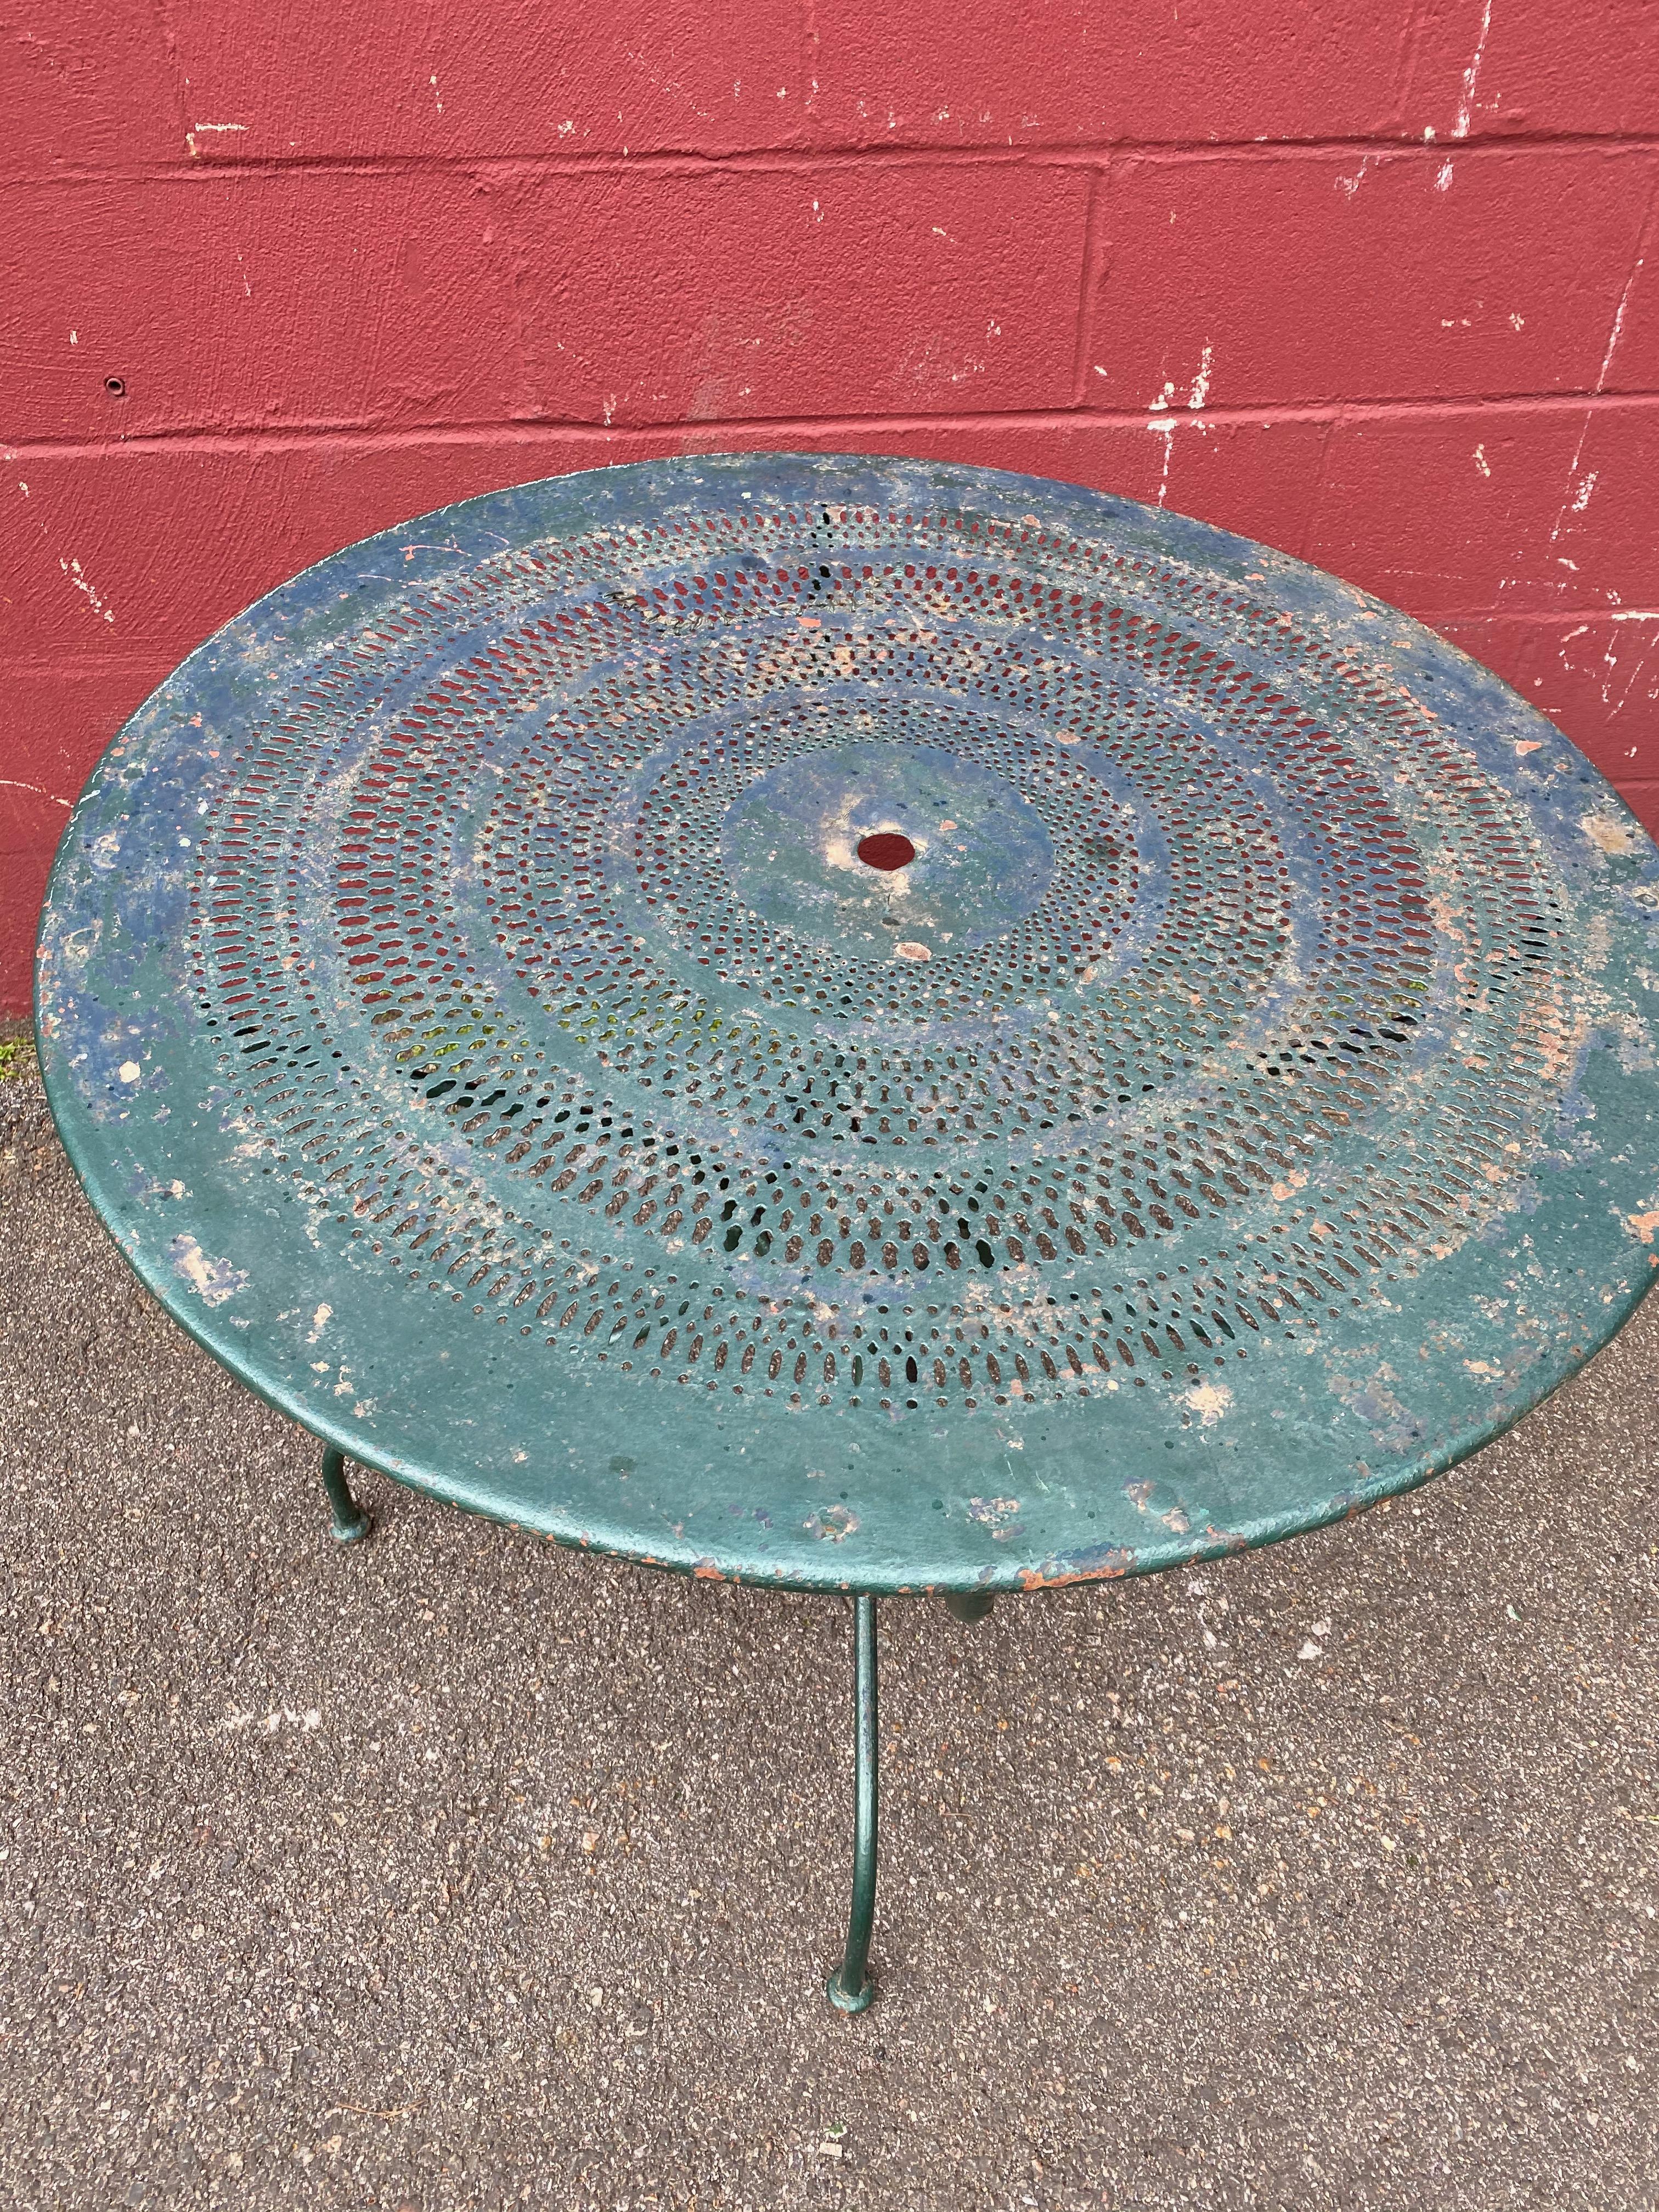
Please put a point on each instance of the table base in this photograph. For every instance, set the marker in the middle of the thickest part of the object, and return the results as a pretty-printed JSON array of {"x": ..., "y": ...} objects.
[
  {"x": 849, "y": 1987},
  {"x": 350, "y": 1523}
]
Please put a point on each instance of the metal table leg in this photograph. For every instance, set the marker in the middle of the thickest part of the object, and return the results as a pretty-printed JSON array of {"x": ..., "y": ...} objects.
[
  {"x": 967, "y": 1605},
  {"x": 351, "y": 1522},
  {"x": 849, "y": 1989}
]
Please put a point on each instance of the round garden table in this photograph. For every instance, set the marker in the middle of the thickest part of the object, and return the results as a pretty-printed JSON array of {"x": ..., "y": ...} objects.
[{"x": 860, "y": 1025}]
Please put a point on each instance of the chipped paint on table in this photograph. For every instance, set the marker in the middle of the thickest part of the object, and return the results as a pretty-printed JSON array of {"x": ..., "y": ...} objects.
[{"x": 462, "y": 994}]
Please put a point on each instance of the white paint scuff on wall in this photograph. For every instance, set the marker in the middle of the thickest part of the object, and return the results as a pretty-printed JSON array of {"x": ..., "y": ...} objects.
[
  {"x": 72, "y": 570},
  {"x": 1162, "y": 421},
  {"x": 1576, "y": 496},
  {"x": 8, "y": 783},
  {"x": 1351, "y": 185},
  {"x": 191, "y": 135},
  {"x": 1167, "y": 429},
  {"x": 1472, "y": 76}
]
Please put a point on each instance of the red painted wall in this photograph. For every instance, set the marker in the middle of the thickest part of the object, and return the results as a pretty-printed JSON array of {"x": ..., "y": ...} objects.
[{"x": 1374, "y": 280}]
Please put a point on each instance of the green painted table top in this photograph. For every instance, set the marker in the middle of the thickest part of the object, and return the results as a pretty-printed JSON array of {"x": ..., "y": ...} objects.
[{"x": 861, "y": 1024}]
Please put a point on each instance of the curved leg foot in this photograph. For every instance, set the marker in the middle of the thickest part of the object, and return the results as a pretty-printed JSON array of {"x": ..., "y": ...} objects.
[
  {"x": 350, "y": 1522},
  {"x": 967, "y": 1605},
  {"x": 850, "y": 1988}
]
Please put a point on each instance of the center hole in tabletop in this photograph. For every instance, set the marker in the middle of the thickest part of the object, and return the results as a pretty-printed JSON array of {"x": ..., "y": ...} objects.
[{"x": 886, "y": 849}]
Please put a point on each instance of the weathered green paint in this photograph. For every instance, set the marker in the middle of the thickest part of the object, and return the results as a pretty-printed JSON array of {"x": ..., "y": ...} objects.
[
  {"x": 849, "y": 1987},
  {"x": 349, "y": 1522},
  {"x": 461, "y": 995}
]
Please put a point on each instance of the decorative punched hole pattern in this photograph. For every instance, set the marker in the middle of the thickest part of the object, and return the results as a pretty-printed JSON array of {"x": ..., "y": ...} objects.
[{"x": 1272, "y": 1027}]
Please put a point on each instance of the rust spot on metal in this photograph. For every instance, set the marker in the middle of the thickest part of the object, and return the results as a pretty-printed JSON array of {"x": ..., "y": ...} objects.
[
  {"x": 1229, "y": 1538},
  {"x": 1108, "y": 1564}
]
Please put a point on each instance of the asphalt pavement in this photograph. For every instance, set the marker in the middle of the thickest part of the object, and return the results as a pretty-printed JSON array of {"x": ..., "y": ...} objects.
[{"x": 457, "y": 1871}]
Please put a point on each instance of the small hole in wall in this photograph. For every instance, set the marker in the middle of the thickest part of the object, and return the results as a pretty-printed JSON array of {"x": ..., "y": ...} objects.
[{"x": 116, "y": 386}]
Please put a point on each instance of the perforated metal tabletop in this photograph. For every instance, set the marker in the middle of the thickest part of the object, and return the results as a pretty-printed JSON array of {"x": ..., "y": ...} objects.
[{"x": 861, "y": 1024}]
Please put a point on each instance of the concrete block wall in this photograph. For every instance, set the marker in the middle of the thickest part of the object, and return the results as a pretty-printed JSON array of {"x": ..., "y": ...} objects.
[{"x": 1377, "y": 280}]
